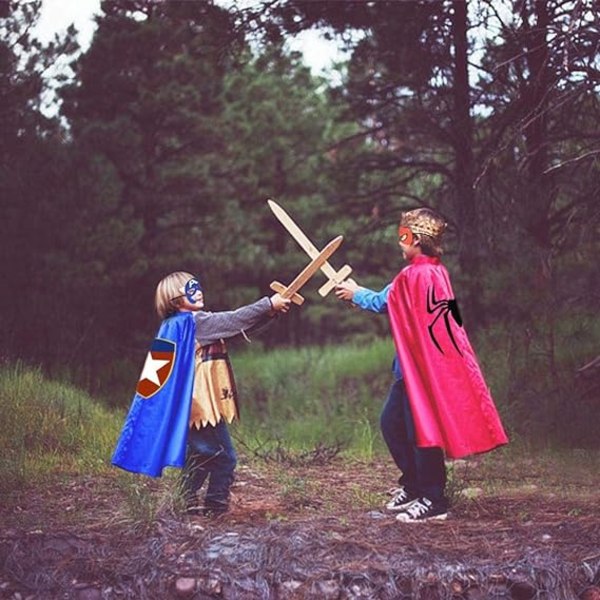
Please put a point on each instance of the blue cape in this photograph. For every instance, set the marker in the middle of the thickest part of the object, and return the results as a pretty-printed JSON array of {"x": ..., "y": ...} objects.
[{"x": 154, "y": 435}]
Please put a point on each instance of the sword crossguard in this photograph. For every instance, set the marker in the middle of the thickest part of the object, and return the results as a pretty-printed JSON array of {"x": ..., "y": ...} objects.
[
  {"x": 333, "y": 277},
  {"x": 278, "y": 287},
  {"x": 340, "y": 277}
]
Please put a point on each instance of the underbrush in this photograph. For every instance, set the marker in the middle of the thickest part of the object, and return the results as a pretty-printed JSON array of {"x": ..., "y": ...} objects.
[
  {"x": 537, "y": 373},
  {"x": 49, "y": 427},
  {"x": 303, "y": 398},
  {"x": 300, "y": 406}
]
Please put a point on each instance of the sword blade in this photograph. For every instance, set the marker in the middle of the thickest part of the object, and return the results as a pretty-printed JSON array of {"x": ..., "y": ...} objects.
[
  {"x": 313, "y": 266},
  {"x": 300, "y": 237}
]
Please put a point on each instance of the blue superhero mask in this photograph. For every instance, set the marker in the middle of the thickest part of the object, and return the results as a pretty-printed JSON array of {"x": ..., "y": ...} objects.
[{"x": 192, "y": 287}]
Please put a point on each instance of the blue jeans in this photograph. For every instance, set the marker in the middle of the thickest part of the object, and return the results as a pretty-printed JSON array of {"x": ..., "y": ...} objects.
[
  {"x": 423, "y": 469},
  {"x": 210, "y": 455}
]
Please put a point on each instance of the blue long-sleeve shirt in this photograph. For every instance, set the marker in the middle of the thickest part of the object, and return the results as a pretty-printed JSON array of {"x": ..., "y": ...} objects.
[{"x": 376, "y": 302}]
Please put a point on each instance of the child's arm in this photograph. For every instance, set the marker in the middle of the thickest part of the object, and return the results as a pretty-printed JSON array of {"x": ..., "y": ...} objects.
[
  {"x": 363, "y": 297},
  {"x": 212, "y": 327}
]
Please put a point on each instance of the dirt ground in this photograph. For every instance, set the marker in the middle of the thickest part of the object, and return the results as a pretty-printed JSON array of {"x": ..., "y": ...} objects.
[{"x": 304, "y": 531}]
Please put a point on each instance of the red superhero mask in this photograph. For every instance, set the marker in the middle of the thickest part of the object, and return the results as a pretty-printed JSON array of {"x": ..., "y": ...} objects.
[{"x": 405, "y": 235}]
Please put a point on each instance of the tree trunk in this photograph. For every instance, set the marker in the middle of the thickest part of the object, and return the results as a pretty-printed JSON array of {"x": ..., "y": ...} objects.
[
  {"x": 539, "y": 192},
  {"x": 464, "y": 194},
  {"x": 535, "y": 97}
]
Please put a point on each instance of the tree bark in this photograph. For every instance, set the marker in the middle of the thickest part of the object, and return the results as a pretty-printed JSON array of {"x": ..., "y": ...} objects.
[
  {"x": 535, "y": 128},
  {"x": 464, "y": 194}
]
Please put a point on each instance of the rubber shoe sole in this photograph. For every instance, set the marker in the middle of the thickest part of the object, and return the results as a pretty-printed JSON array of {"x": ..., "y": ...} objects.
[{"x": 406, "y": 518}]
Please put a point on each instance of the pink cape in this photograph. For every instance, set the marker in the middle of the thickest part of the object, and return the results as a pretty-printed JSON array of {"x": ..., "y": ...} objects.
[{"x": 451, "y": 404}]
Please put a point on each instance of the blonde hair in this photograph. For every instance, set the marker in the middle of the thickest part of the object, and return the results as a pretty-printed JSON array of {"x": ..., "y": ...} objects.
[
  {"x": 429, "y": 226},
  {"x": 168, "y": 289}
]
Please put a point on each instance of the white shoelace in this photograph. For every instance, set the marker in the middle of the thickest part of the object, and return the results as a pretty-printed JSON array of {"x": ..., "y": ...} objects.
[
  {"x": 418, "y": 508},
  {"x": 400, "y": 497}
]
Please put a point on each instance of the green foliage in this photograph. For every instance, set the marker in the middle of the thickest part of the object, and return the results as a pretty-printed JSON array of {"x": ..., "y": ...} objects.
[
  {"x": 145, "y": 498},
  {"x": 295, "y": 491},
  {"x": 33, "y": 169},
  {"x": 543, "y": 397},
  {"x": 314, "y": 395},
  {"x": 176, "y": 129},
  {"x": 177, "y": 135},
  {"x": 50, "y": 427},
  {"x": 302, "y": 402},
  {"x": 365, "y": 499},
  {"x": 331, "y": 395}
]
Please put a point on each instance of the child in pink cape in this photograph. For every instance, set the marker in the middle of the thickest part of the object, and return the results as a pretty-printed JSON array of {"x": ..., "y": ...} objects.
[{"x": 439, "y": 404}]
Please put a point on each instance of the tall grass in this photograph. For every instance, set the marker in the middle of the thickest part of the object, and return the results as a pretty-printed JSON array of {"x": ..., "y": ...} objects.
[
  {"x": 49, "y": 427},
  {"x": 534, "y": 374},
  {"x": 301, "y": 398},
  {"x": 306, "y": 396},
  {"x": 335, "y": 393}
]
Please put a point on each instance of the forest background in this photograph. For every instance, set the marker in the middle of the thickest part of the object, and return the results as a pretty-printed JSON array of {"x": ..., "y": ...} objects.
[{"x": 182, "y": 118}]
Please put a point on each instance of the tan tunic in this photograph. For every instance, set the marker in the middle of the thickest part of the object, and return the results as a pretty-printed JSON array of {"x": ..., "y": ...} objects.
[{"x": 215, "y": 395}]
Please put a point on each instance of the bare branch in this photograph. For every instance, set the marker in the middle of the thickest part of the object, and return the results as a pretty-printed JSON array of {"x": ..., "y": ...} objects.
[{"x": 571, "y": 161}]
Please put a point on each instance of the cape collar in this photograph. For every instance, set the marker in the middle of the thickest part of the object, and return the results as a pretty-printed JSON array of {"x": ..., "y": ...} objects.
[{"x": 423, "y": 259}]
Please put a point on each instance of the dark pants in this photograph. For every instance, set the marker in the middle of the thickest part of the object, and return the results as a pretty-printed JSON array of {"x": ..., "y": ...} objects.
[
  {"x": 210, "y": 455},
  {"x": 423, "y": 469}
]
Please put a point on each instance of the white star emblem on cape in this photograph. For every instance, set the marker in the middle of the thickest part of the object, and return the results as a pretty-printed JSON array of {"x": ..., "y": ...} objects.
[{"x": 151, "y": 367}]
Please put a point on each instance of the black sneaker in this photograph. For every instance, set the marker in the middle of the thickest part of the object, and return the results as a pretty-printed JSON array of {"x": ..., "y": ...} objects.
[
  {"x": 401, "y": 500},
  {"x": 422, "y": 510},
  {"x": 215, "y": 508},
  {"x": 206, "y": 511},
  {"x": 193, "y": 510}
]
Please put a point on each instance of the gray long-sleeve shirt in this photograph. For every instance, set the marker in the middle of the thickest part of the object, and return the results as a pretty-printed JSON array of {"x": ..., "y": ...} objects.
[{"x": 214, "y": 326}]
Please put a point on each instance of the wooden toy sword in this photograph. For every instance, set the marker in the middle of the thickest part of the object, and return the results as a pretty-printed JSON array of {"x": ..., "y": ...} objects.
[
  {"x": 313, "y": 266},
  {"x": 334, "y": 277}
]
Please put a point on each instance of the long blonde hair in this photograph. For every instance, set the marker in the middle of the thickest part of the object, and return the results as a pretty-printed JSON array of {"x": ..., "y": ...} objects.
[{"x": 168, "y": 290}]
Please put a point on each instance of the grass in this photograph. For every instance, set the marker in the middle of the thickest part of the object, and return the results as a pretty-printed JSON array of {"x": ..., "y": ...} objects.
[
  {"x": 535, "y": 380},
  {"x": 312, "y": 395},
  {"x": 49, "y": 427},
  {"x": 302, "y": 406}
]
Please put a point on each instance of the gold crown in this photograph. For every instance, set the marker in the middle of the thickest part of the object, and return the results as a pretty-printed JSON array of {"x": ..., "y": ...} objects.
[{"x": 424, "y": 222}]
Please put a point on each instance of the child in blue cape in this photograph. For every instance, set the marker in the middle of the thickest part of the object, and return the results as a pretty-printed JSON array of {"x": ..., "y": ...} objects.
[{"x": 186, "y": 394}]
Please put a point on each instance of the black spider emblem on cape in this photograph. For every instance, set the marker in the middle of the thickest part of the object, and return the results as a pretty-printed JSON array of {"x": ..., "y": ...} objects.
[{"x": 443, "y": 308}]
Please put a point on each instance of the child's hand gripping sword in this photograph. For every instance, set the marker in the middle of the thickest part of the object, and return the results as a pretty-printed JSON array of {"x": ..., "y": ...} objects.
[
  {"x": 334, "y": 277},
  {"x": 313, "y": 266}
]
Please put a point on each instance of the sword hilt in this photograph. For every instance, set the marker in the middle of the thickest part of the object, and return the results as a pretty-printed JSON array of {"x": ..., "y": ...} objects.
[
  {"x": 340, "y": 276},
  {"x": 281, "y": 289}
]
